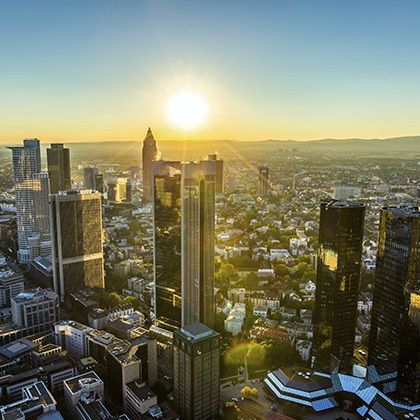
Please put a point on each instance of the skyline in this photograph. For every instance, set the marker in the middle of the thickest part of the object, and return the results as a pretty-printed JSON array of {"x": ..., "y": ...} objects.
[{"x": 96, "y": 71}]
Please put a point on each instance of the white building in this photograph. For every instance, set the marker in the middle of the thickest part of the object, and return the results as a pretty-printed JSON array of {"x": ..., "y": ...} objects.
[
  {"x": 235, "y": 320},
  {"x": 260, "y": 311},
  {"x": 72, "y": 336},
  {"x": 237, "y": 295},
  {"x": 342, "y": 192}
]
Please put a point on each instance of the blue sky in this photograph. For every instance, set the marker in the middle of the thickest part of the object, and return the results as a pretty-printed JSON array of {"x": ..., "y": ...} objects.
[{"x": 98, "y": 69}]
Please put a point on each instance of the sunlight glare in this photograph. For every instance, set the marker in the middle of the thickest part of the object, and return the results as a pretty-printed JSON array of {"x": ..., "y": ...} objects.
[{"x": 187, "y": 110}]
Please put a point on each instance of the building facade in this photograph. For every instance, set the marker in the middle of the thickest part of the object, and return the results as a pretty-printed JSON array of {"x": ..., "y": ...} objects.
[
  {"x": 264, "y": 183},
  {"x": 77, "y": 241},
  {"x": 394, "y": 344},
  {"x": 219, "y": 180},
  {"x": 58, "y": 161},
  {"x": 196, "y": 372},
  {"x": 184, "y": 204},
  {"x": 32, "y": 189},
  {"x": 149, "y": 154},
  {"x": 337, "y": 284}
]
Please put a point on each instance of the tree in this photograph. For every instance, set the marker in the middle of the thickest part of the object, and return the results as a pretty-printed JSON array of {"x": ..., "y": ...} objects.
[
  {"x": 251, "y": 281},
  {"x": 131, "y": 300},
  {"x": 281, "y": 354},
  {"x": 254, "y": 392},
  {"x": 246, "y": 392},
  {"x": 231, "y": 411},
  {"x": 114, "y": 300}
]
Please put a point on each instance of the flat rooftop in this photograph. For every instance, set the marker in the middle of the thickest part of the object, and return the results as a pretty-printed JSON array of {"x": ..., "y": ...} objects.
[
  {"x": 17, "y": 348},
  {"x": 197, "y": 331}
]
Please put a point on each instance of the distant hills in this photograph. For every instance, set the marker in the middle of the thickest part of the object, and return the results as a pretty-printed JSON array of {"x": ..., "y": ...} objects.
[{"x": 129, "y": 152}]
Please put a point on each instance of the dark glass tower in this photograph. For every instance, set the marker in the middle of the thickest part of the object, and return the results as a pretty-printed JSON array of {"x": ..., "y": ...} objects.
[
  {"x": 167, "y": 246},
  {"x": 337, "y": 284},
  {"x": 58, "y": 159},
  {"x": 394, "y": 338},
  {"x": 184, "y": 242},
  {"x": 196, "y": 372},
  {"x": 148, "y": 156},
  {"x": 219, "y": 182},
  {"x": 76, "y": 218}
]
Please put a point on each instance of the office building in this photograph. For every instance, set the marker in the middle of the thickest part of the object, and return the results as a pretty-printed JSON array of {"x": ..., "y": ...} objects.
[
  {"x": 92, "y": 179},
  {"x": 263, "y": 181},
  {"x": 32, "y": 190},
  {"x": 149, "y": 154},
  {"x": 58, "y": 161},
  {"x": 337, "y": 284},
  {"x": 36, "y": 401},
  {"x": 184, "y": 242},
  {"x": 219, "y": 180},
  {"x": 72, "y": 336},
  {"x": 11, "y": 284},
  {"x": 139, "y": 399},
  {"x": 77, "y": 241},
  {"x": 196, "y": 372},
  {"x": 118, "y": 190},
  {"x": 35, "y": 310},
  {"x": 394, "y": 344}
]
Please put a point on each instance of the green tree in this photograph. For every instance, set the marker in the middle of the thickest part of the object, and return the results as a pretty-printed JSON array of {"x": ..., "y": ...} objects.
[
  {"x": 246, "y": 392},
  {"x": 281, "y": 354},
  {"x": 114, "y": 300},
  {"x": 131, "y": 300},
  {"x": 251, "y": 281}
]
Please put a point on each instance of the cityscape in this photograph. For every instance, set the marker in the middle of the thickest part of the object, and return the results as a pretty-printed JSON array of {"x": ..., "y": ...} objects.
[{"x": 179, "y": 271}]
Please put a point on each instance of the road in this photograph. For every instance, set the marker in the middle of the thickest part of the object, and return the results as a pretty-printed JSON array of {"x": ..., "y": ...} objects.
[{"x": 251, "y": 409}]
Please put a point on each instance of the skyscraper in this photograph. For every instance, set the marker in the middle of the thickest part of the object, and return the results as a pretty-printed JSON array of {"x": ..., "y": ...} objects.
[
  {"x": 77, "y": 241},
  {"x": 337, "y": 284},
  {"x": 219, "y": 180},
  {"x": 58, "y": 160},
  {"x": 196, "y": 372},
  {"x": 264, "y": 182},
  {"x": 32, "y": 190},
  {"x": 149, "y": 155},
  {"x": 89, "y": 177},
  {"x": 184, "y": 242},
  {"x": 394, "y": 344},
  {"x": 118, "y": 190},
  {"x": 167, "y": 243}
]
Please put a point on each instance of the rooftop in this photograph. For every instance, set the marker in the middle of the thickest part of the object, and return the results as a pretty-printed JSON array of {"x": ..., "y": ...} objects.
[
  {"x": 197, "y": 331},
  {"x": 17, "y": 348}
]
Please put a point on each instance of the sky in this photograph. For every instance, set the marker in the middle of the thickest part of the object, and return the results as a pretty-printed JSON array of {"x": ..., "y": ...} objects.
[{"x": 87, "y": 70}]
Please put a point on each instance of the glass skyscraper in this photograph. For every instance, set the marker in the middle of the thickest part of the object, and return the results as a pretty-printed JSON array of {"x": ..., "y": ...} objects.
[
  {"x": 58, "y": 160},
  {"x": 184, "y": 204},
  {"x": 32, "y": 188},
  {"x": 337, "y": 284},
  {"x": 77, "y": 241},
  {"x": 149, "y": 154},
  {"x": 394, "y": 344}
]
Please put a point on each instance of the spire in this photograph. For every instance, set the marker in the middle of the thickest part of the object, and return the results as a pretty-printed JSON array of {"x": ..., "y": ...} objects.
[{"x": 149, "y": 135}]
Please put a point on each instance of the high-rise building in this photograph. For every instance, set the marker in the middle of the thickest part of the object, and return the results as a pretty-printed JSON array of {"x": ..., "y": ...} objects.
[
  {"x": 89, "y": 177},
  {"x": 118, "y": 190},
  {"x": 197, "y": 249},
  {"x": 184, "y": 242},
  {"x": 32, "y": 188},
  {"x": 58, "y": 160},
  {"x": 394, "y": 344},
  {"x": 264, "y": 183},
  {"x": 196, "y": 372},
  {"x": 337, "y": 284},
  {"x": 167, "y": 243},
  {"x": 148, "y": 156},
  {"x": 219, "y": 180},
  {"x": 77, "y": 241}
]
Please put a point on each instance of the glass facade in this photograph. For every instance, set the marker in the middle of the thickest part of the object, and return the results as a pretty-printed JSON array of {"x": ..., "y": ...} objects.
[
  {"x": 196, "y": 373},
  {"x": 167, "y": 246},
  {"x": 394, "y": 338},
  {"x": 337, "y": 284},
  {"x": 58, "y": 160}
]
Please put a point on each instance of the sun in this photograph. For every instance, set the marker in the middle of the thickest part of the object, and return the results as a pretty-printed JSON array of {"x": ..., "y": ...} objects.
[{"x": 187, "y": 110}]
